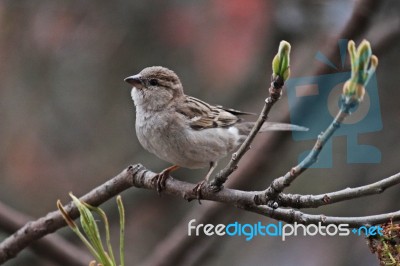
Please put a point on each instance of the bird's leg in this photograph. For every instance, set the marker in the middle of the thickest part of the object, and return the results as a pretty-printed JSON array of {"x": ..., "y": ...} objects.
[
  {"x": 199, "y": 185},
  {"x": 160, "y": 178}
]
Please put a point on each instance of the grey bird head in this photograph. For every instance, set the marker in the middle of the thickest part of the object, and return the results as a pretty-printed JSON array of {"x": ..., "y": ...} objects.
[{"x": 155, "y": 87}]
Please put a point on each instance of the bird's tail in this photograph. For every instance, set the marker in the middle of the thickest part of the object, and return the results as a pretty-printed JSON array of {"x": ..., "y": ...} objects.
[
  {"x": 275, "y": 126},
  {"x": 245, "y": 127}
]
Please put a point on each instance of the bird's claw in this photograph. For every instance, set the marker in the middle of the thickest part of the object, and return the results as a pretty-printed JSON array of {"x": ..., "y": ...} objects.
[
  {"x": 160, "y": 180},
  {"x": 197, "y": 190}
]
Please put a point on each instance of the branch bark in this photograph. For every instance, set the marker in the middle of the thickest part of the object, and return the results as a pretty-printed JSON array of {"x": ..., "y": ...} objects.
[
  {"x": 315, "y": 201},
  {"x": 291, "y": 216}
]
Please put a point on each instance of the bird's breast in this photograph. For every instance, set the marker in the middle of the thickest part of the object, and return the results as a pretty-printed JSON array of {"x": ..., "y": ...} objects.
[{"x": 170, "y": 138}]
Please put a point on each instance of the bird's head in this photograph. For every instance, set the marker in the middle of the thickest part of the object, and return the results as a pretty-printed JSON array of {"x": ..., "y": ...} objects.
[{"x": 155, "y": 88}]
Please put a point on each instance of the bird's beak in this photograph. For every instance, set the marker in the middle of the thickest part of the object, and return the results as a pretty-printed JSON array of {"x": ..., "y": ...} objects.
[{"x": 135, "y": 80}]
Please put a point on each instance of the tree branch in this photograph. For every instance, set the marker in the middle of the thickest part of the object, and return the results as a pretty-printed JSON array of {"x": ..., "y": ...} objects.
[
  {"x": 315, "y": 201},
  {"x": 280, "y": 183},
  {"x": 140, "y": 177},
  {"x": 363, "y": 66},
  {"x": 291, "y": 216},
  {"x": 53, "y": 221},
  {"x": 275, "y": 92},
  {"x": 52, "y": 247}
]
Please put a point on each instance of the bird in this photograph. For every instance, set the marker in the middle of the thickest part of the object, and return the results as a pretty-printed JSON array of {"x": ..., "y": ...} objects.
[{"x": 183, "y": 130}]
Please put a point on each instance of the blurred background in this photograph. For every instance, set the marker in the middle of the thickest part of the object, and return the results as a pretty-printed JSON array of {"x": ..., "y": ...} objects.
[{"x": 67, "y": 119}]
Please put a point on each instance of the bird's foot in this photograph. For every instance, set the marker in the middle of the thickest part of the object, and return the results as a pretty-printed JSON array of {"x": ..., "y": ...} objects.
[
  {"x": 161, "y": 178},
  {"x": 197, "y": 190}
]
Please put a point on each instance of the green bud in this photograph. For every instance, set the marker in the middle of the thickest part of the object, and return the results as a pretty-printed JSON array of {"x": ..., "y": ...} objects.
[
  {"x": 363, "y": 66},
  {"x": 281, "y": 61},
  {"x": 89, "y": 226}
]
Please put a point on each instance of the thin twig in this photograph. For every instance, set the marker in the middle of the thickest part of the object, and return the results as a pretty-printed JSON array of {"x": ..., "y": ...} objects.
[
  {"x": 275, "y": 92},
  {"x": 280, "y": 183},
  {"x": 292, "y": 216},
  {"x": 315, "y": 201}
]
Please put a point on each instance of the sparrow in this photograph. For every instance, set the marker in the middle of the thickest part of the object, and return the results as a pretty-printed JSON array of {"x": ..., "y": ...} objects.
[{"x": 183, "y": 130}]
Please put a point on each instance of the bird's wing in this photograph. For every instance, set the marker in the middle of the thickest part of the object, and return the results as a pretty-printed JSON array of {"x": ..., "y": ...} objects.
[{"x": 202, "y": 115}]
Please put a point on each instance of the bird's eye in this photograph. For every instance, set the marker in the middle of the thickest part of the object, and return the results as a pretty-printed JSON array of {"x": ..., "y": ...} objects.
[{"x": 153, "y": 82}]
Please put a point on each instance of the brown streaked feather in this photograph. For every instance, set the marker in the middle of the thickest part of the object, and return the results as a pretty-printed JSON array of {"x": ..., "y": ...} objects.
[
  {"x": 234, "y": 111},
  {"x": 203, "y": 115}
]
